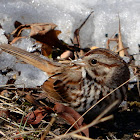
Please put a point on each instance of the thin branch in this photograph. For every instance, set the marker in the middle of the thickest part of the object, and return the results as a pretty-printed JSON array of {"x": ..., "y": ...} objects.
[
  {"x": 49, "y": 126},
  {"x": 81, "y": 137}
]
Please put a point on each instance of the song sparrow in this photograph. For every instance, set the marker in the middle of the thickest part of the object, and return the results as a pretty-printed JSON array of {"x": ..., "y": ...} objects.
[{"x": 83, "y": 82}]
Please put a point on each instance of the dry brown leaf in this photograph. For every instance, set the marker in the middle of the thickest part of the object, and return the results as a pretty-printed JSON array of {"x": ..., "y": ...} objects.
[
  {"x": 46, "y": 50},
  {"x": 35, "y": 28},
  {"x": 19, "y": 29},
  {"x": 44, "y": 33},
  {"x": 41, "y": 28},
  {"x": 48, "y": 39},
  {"x": 36, "y": 116}
]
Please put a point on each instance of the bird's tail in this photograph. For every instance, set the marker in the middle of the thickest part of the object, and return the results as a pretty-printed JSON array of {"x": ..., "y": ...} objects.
[{"x": 45, "y": 65}]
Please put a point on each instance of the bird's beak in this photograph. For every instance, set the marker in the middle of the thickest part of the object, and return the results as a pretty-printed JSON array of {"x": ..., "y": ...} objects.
[{"x": 79, "y": 62}]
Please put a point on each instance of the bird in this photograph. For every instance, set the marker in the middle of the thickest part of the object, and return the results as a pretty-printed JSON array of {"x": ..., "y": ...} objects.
[{"x": 82, "y": 82}]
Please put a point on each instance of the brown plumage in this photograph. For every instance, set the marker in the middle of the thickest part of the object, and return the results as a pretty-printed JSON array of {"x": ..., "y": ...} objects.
[{"x": 82, "y": 83}]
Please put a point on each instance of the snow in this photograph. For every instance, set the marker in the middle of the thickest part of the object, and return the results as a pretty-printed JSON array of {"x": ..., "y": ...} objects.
[
  {"x": 3, "y": 80},
  {"x": 3, "y": 38},
  {"x": 30, "y": 76},
  {"x": 68, "y": 15}
]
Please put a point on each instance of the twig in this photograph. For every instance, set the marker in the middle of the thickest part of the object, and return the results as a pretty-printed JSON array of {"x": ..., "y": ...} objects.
[
  {"x": 76, "y": 40},
  {"x": 51, "y": 133},
  {"x": 1, "y": 133},
  {"x": 1, "y": 86},
  {"x": 106, "y": 118},
  {"x": 5, "y": 97},
  {"x": 24, "y": 133},
  {"x": 49, "y": 126},
  {"x": 76, "y": 33},
  {"x": 11, "y": 105},
  {"x": 81, "y": 137}
]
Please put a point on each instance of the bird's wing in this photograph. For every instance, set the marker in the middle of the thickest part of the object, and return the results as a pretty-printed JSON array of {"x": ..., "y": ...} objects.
[{"x": 65, "y": 86}]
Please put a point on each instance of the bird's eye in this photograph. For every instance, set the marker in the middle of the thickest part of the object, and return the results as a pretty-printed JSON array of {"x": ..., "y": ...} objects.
[{"x": 93, "y": 61}]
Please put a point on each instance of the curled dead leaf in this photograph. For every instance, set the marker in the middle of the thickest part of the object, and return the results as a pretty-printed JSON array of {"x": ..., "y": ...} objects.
[
  {"x": 35, "y": 28},
  {"x": 36, "y": 116}
]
